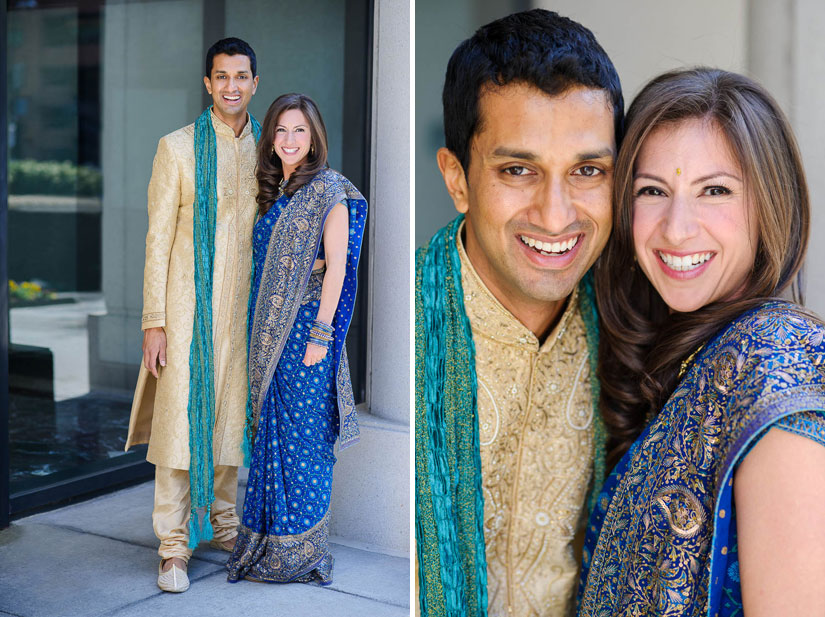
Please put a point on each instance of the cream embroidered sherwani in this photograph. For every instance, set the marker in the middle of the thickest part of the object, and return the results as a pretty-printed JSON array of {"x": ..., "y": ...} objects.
[
  {"x": 536, "y": 434},
  {"x": 160, "y": 406}
]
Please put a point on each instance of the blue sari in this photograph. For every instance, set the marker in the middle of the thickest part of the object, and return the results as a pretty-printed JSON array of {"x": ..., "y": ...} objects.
[
  {"x": 662, "y": 538},
  {"x": 296, "y": 412}
]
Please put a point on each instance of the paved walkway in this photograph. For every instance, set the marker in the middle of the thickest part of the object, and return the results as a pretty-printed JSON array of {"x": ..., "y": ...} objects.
[{"x": 99, "y": 558}]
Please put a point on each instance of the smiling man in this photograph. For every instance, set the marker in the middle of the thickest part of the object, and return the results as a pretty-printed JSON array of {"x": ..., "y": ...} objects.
[
  {"x": 190, "y": 401},
  {"x": 508, "y": 436}
]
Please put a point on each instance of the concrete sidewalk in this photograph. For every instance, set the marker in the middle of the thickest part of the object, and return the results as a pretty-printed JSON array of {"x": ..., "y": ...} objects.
[{"x": 99, "y": 558}]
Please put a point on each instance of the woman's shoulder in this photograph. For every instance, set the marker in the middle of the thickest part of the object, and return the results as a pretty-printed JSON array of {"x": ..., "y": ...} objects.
[
  {"x": 778, "y": 324},
  {"x": 767, "y": 355},
  {"x": 333, "y": 186},
  {"x": 328, "y": 178},
  {"x": 768, "y": 365}
]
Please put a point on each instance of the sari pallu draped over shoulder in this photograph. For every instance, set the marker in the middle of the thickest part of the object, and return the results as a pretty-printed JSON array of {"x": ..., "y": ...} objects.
[
  {"x": 290, "y": 256},
  {"x": 449, "y": 502},
  {"x": 662, "y": 539}
]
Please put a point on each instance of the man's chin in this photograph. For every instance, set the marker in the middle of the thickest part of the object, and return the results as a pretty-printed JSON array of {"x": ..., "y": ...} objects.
[
  {"x": 232, "y": 111},
  {"x": 555, "y": 291}
]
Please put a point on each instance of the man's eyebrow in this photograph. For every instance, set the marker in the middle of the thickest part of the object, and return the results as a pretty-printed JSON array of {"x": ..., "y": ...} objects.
[
  {"x": 510, "y": 153},
  {"x": 527, "y": 155},
  {"x": 598, "y": 154}
]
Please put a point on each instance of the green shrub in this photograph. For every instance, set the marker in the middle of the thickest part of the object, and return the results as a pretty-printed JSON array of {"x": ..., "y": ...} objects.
[{"x": 29, "y": 177}]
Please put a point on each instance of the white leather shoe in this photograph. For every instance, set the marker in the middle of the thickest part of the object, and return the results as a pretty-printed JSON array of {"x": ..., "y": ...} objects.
[{"x": 174, "y": 579}]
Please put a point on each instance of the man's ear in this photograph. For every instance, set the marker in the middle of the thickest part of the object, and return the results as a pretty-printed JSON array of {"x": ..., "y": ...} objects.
[
  {"x": 208, "y": 85},
  {"x": 454, "y": 178}
]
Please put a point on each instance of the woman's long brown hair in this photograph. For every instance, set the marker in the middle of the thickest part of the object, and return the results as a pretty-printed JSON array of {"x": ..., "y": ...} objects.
[
  {"x": 270, "y": 172},
  {"x": 643, "y": 344}
]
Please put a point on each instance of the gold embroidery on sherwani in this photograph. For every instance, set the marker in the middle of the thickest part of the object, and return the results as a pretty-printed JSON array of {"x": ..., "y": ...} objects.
[
  {"x": 169, "y": 295},
  {"x": 536, "y": 434}
]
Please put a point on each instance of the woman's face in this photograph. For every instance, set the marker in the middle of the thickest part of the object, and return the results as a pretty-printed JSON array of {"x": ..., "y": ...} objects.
[
  {"x": 694, "y": 227},
  {"x": 292, "y": 139}
]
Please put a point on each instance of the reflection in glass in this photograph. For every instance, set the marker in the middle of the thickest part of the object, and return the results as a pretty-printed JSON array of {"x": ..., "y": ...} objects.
[{"x": 57, "y": 422}]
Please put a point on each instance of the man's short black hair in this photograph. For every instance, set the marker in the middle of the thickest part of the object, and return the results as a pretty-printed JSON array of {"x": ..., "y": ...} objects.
[
  {"x": 231, "y": 47},
  {"x": 537, "y": 47}
]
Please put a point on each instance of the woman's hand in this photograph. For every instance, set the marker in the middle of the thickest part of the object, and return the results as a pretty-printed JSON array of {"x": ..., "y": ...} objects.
[{"x": 314, "y": 354}]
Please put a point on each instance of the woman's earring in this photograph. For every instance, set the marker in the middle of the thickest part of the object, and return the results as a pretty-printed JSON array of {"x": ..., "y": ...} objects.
[
  {"x": 273, "y": 148},
  {"x": 312, "y": 150}
]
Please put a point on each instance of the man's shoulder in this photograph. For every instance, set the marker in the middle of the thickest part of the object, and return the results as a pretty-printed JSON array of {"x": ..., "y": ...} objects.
[
  {"x": 441, "y": 237},
  {"x": 434, "y": 261},
  {"x": 183, "y": 138}
]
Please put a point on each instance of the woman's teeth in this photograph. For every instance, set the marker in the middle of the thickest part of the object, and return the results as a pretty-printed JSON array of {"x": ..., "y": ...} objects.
[
  {"x": 685, "y": 262},
  {"x": 550, "y": 248}
]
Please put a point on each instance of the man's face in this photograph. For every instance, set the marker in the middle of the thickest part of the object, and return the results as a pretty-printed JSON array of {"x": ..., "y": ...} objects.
[
  {"x": 231, "y": 86},
  {"x": 537, "y": 194}
]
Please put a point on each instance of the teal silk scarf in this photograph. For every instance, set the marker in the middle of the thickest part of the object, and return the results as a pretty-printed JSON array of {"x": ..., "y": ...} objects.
[
  {"x": 449, "y": 503},
  {"x": 201, "y": 407}
]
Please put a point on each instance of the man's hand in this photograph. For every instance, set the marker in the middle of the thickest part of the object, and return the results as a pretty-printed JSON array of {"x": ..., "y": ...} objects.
[
  {"x": 314, "y": 354},
  {"x": 154, "y": 349}
]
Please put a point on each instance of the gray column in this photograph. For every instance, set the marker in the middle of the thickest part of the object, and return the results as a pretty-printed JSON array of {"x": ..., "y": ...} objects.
[
  {"x": 371, "y": 491},
  {"x": 786, "y": 53}
]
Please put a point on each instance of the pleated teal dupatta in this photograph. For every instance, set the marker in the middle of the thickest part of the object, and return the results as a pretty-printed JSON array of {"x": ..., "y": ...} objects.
[{"x": 201, "y": 407}]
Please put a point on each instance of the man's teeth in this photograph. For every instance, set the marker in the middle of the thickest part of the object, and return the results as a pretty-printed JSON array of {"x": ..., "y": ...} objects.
[
  {"x": 550, "y": 248},
  {"x": 686, "y": 262},
  {"x": 232, "y": 98}
]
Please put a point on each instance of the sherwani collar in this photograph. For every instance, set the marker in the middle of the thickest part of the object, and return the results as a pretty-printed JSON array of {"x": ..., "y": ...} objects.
[
  {"x": 224, "y": 130},
  {"x": 489, "y": 317}
]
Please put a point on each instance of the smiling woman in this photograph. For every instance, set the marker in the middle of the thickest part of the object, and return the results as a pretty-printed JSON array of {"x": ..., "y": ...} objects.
[
  {"x": 712, "y": 388},
  {"x": 306, "y": 246},
  {"x": 695, "y": 230}
]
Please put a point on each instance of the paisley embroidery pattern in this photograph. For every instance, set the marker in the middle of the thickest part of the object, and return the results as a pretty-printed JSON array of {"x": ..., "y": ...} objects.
[
  {"x": 661, "y": 538},
  {"x": 297, "y": 410},
  {"x": 299, "y": 558},
  {"x": 292, "y": 248}
]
